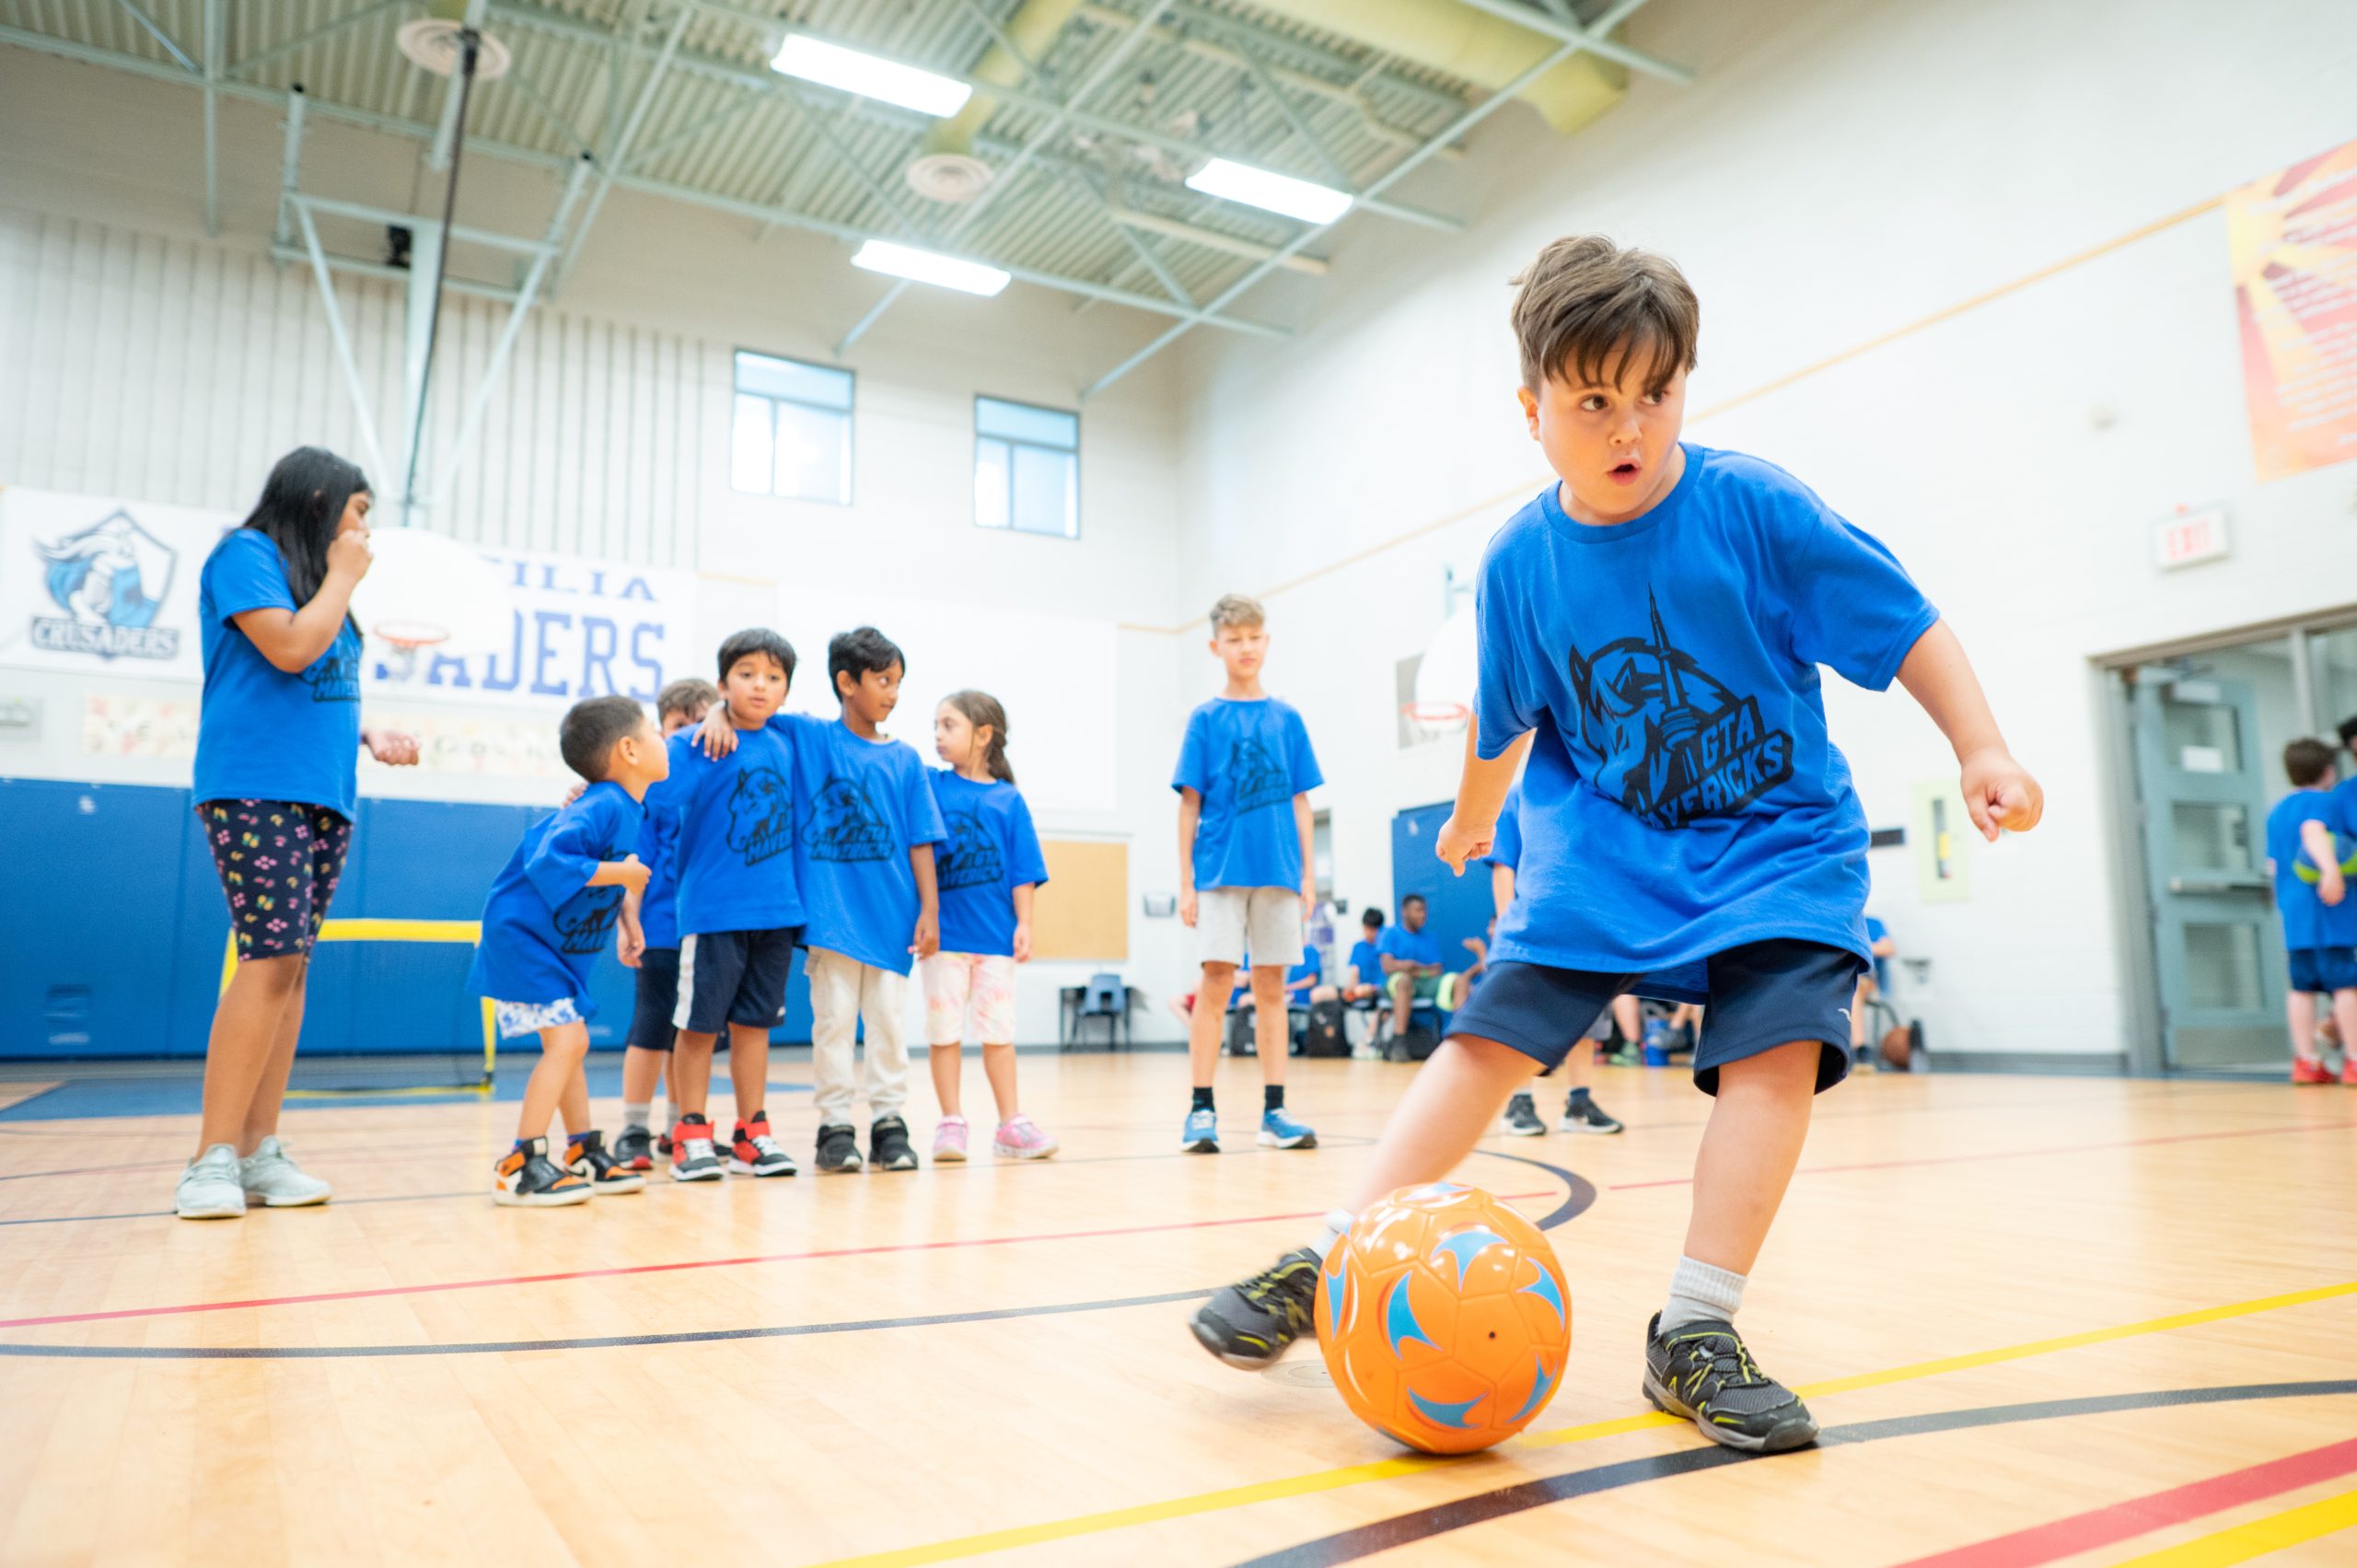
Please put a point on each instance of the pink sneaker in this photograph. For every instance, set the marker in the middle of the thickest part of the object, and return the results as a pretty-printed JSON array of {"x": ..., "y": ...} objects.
[
  {"x": 1020, "y": 1139},
  {"x": 949, "y": 1140}
]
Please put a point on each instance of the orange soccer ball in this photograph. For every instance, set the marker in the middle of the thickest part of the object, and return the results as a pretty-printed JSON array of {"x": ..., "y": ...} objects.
[{"x": 1443, "y": 1318}]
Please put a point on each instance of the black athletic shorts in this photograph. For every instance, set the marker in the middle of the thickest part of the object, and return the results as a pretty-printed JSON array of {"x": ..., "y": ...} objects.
[
  {"x": 1762, "y": 996},
  {"x": 658, "y": 998},
  {"x": 734, "y": 977}
]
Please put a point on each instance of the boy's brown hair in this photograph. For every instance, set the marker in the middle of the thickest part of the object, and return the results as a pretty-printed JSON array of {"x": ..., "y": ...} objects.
[
  {"x": 2305, "y": 761},
  {"x": 689, "y": 697},
  {"x": 1236, "y": 609},
  {"x": 1586, "y": 309}
]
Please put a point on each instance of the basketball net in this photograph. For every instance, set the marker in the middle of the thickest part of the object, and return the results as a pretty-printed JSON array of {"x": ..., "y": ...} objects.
[{"x": 1437, "y": 715}]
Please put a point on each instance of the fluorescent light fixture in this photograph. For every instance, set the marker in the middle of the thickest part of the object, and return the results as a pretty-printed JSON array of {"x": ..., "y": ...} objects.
[
  {"x": 869, "y": 76},
  {"x": 1276, "y": 192},
  {"x": 929, "y": 266}
]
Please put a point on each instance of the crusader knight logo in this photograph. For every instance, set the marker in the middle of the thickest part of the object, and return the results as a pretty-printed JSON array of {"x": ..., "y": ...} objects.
[{"x": 1682, "y": 744}]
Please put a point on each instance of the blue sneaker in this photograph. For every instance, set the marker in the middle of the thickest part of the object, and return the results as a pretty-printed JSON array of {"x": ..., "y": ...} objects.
[
  {"x": 1202, "y": 1136},
  {"x": 1281, "y": 1129}
]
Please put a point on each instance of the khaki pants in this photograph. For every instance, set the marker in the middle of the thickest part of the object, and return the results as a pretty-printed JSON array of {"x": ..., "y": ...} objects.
[{"x": 845, "y": 992}]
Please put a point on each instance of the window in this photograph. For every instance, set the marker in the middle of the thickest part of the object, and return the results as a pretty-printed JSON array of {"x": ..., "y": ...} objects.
[
  {"x": 1027, "y": 468},
  {"x": 791, "y": 431}
]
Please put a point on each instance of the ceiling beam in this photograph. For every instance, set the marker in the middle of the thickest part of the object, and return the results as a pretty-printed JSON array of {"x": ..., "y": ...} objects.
[
  {"x": 1464, "y": 123},
  {"x": 302, "y": 40},
  {"x": 1590, "y": 39}
]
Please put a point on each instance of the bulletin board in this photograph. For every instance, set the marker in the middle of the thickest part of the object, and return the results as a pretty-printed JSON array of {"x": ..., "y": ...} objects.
[{"x": 1083, "y": 911}]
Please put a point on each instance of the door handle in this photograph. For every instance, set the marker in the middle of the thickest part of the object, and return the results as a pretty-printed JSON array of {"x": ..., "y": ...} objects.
[{"x": 2250, "y": 883}]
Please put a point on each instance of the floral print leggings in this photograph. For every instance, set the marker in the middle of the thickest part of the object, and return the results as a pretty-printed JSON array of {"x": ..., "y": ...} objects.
[{"x": 279, "y": 862}]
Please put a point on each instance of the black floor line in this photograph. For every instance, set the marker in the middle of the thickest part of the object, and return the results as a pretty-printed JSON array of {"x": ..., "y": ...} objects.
[
  {"x": 1424, "y": 1524},
  {"x": 1579, "y": 1194}
]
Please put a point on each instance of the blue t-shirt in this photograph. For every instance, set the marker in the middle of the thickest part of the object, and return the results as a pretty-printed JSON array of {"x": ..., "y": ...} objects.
[
  {"x": 1683, "y": 797},
  {"x": 1311, "y": 968},
  {"x": 2308, "y": 921},
  {"x": 1247, "y": 759},
  {"x": 868, "y": 804},
  {"x": 989, "y": 851},
  {"x": 544, "y": 926},
  {"x": 1410, "y": 947},
  {"x": 1505, "y": 845},
  {"x": 658, "y": 913},
  {"x": 1367, "y": 960},
  {"x": 1876, "y": 931},
  {"x": 261, "y": 733},
  {"x": 730, "y": 840}
]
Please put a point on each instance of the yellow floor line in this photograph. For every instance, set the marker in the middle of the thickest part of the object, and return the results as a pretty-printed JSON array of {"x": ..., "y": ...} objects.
[
  {"x": 2256, "y": 1539},
  {"x": 1387, "y": 1470}
]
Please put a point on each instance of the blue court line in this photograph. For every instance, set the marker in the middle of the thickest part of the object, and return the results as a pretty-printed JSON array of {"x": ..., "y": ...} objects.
[
  {"x": 1579, "y": 1194},
  {"x": 1424, "y": 1524}
]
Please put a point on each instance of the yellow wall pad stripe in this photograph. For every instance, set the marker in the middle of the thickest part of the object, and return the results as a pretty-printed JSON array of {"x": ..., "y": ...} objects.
[
  {"x": 2258, "y": 1538},
  {"x": 1413, "y": 1464}
]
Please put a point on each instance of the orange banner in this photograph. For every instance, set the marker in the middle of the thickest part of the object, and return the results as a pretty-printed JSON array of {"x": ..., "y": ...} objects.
[{"x": 2293, "y": 240}]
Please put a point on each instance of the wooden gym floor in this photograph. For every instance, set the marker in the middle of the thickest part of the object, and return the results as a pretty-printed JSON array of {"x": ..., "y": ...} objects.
[{"x": 2041, "y": 1321}]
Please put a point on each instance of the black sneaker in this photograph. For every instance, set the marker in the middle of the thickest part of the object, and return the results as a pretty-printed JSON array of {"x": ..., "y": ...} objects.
[
  {"x": 1702, "y": 1372},
  {"x": 587, "y": 1157},
  {"x": 1249, "y": 1323},
  {"x": 634, "y": 1149},
  {"x": 1581, "y": 1114},
  {"x": 888, "y": 1145},
  {"x": 1521, "y": 1117},
  {"x": 838, "y": 1149},
  {"x": 527, "y": 1179}
]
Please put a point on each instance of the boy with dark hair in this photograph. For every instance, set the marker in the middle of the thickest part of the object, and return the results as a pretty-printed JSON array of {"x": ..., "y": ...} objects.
[
  {"x": 1650, "y": 631},
  {"x": 865, "y": 858},
  {"x": 738, "y": 910},
  {"x": 679, "y": 705},
  {"x": 1411, "y": 963},
  {"x": 1363, "y": 982},
  {"x": 1245, "y": 877},
  {"x": 2307, "y": 840},
  {"x": 548, "y": 917}
]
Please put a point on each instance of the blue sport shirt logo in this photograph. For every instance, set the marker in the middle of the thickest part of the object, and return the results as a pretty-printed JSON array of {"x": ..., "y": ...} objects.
[
  {"x": 760, "y": 815},
  {"x": 1260, "y": 778},
  {"x": 971, "y": 857},
  {"x": 109, "y": 580},
  {"x": 845, "y": 825}
]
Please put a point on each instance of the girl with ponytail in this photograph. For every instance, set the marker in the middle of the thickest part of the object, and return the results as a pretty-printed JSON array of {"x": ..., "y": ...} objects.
[{"x": 987, "y": 872}]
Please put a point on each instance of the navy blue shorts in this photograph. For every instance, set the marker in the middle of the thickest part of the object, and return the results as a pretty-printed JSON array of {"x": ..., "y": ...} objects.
[
  {"x": 659, "y": 999},
  {"x": 1762, "y": 996},
  {"x": 734, "y": 977},
  {"x": 2324, "y": 969}
]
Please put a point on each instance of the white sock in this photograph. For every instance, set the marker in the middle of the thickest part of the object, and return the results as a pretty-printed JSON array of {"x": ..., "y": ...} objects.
[
  {"x": 635, "y": 1113},
  {"x": 1337, "y": 1224},
  {"x": 1698, "y": 1290}
]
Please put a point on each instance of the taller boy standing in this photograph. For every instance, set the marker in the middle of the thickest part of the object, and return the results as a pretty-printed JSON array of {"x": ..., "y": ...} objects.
[
  {"x": 1650, "y": 631},
  {"x": 1245, "y": 879}
]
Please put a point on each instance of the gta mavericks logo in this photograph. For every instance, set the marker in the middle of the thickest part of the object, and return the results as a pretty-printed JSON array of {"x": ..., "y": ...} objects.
[
  {"x": 109, "y": 579},
  {"x": 1687, "y": 746}
]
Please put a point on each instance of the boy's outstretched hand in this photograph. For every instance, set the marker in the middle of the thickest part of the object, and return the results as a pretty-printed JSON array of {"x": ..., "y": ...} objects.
[
  {"x": 716, "y": 737},
  {"x": 1459, "y": 844},
  {"x": 2000, "y": 793},
  {"x": 928, "y": 938}
]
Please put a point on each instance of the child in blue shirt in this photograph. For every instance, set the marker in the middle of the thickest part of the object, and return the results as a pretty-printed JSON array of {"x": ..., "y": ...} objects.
[
  {"x": 679, "y": 705},
  {"x": 1362, "y": 973},
  {"x": 1245, "y": 879},
  {"x": 737, "y": 908},
  {"x": 1650, "y": 630},
  {"x": 1581, "y": 1114},
  {"x": 865, "y": 857},
  {"x": 987, "y": 868},
  {"x": 2305, "y": 856},
  {"x": 550, "y": 914}
]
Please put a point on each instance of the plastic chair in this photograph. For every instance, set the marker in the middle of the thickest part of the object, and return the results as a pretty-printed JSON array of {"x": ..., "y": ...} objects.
[{"x": 1105, "y": 997}]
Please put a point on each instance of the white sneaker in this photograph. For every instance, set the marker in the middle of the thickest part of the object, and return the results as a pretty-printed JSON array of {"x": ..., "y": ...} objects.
[
  {"x": 270, "y": 1174},
  {"x": 209, "y": 1188}
]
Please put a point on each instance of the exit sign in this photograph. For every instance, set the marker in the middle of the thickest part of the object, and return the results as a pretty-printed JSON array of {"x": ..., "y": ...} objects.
[{"x": 2190, "y": 538}]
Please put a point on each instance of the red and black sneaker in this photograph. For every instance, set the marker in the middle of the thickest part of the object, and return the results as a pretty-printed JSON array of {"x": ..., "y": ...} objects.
[
  {"x": 693, "y": 1158},
  {"x": 2309, "y": 1069},
  {"x": 587, "y": 1159},
  {"x": 634, "y": 1150},
  {"x": 752, "y": 1151}
]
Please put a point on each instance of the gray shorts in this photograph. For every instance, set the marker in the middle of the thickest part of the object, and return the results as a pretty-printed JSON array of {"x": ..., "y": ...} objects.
[{"x": 1264, "y": 921}]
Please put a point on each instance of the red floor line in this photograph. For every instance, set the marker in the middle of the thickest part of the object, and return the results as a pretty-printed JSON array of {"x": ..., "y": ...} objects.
[
  {"x": 2022, "y": 1153},
  {"x": 661, "y": 1269},
  {"x": 2141, "y": 1515}
]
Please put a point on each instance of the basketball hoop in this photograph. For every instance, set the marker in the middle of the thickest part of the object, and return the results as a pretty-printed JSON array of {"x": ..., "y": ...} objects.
[
  {"x": 1436, "y": 715},
  {"x": 426, "y": 590}
]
